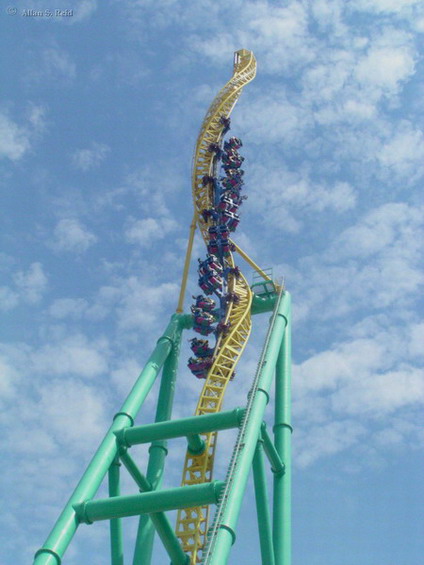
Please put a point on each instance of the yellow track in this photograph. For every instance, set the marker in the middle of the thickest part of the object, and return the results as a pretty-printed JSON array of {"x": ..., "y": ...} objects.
[{"x": 192, "y": 523}]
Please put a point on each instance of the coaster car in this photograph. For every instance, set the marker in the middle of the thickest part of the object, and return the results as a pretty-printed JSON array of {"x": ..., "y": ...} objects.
[
  {"x": 227, "y": 203},
  {"x": 211, "y": 213},
  {"x": 202, "y": 318},
  {"x": 200, "y": 347},
  {"x": 200, "y": 367},
  {"x": 212, "y": 231},
  {"x": 232, "y": 220},
  {"x": 233, "y": 143},
  {"x": 213, "y": 246},
  {"x": 211, "y": 263},
  {"x": 204, "y": 303},
  {"x": 223, "y": 230},
  {"x": 210, "y": 284},
  {"x": 203, "y": 330},
  {"x": 234, "y": 172}
]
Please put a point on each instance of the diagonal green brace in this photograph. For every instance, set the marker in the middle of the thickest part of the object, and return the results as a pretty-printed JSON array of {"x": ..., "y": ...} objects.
[{"x": 277, "y": 466}]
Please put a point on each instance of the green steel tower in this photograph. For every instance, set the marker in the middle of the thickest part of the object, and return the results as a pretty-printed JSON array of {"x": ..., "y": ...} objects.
[{"x": 195, "y": 538}]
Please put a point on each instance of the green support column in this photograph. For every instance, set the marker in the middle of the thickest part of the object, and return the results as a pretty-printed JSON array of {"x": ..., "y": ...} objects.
[
  {"x": 67, "y": 524},
  {"x": 262, "y": 506},
  {"x": 157, "y": 453},
  {"x": 116, "y": 546},
  {"x": 223, "y": 535},
  {"x": 282, "y": 440}
]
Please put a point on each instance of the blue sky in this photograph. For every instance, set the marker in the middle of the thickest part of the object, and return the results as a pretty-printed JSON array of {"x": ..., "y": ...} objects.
[{"x": 98, "y": 119}]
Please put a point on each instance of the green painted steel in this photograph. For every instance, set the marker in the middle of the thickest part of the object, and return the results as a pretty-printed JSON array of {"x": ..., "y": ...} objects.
[
  {"x": 67, "y": 524},
  {"x": 148, "y": 502},
  {"x": 116, "y": 545},
  {"x": 277, "y": 466},
  {"x": 282, "y": 437},
  {"x": 222, "y": 534},
  {"x": 195, "y": 444},
  {"x": 262, "y": 506},
  {"x": 157, "y": 455},
  {"x": 261, "y": 304},
  {"x": 131, "y": 466},
  {"x": 179, "y": 428},
  {"x": 157, "y": 520}
]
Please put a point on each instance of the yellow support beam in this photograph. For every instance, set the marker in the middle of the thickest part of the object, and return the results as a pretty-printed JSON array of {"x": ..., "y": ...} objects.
[
  {"x": 251, "y": 262},
  {"x": 180, "y": 306}
]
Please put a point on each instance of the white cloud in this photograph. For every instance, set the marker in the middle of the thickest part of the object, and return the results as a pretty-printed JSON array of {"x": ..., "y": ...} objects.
[
  {"x": 416, "y": 343},
  {"x": 8, "y": 298},
  {"x": 68, "y": 308},
  {"x": 403, "y": 154},
  {"x": 8, "y": 377},
  {"x": 74, "y": 355},
  {"x": 71, "y": 235},
  {"x": 72, "y": 408},
  {"x": 141, "y": 305},
  {"x": 385, "y": 68},
  {"x": 283, "y": 197},
  {"x": 31, "y": 284},
  {"x": 325, "y": 440},
  {"x": 16, "y": 140},
  {"x": 393, "y": 226},
  {"x": 86, "y": 159},
  {"x": 384, "y": 6},
  {"x": 381, "y": 393},
  {"x": 146, "y": 231},
  {"x": 55, "y": 66},
  {"x": 373, "y": 264}
]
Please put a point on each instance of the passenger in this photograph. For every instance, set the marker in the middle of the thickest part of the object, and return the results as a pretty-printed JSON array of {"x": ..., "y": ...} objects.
[
  {"x": 199, "y": 367},
  {"x": 225, "y": 247},
  {"x": 207, "y": 179},
  {"x": 233, "y": 143},
  {"x": 204, "y": 303},
  {"x": 236, "y": 272},
  {"x": 222, "y": 328},
  {"x": 213, "y": 247},
  {"x": 215, "y": 148},
  {"x": 223, "y": 231},
  {"x": 205, "y": 286},
  {"x": 212, "y": 232},
  {"x": 226, "y": 122},
  {"x": 232, "y": 297},
  {"x": 200, "y": 347}
]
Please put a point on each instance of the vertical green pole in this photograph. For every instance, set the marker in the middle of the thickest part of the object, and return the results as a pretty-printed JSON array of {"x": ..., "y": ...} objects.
[
  {"x": 262, "y": 506},
  {"x": 158, "y": 451},
  {"x": 282, "y": 439},
  {"x": 116, "y": 546}
]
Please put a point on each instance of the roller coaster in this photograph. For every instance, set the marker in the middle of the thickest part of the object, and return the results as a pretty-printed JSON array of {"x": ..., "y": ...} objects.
[{"x": 228, "y": 317}]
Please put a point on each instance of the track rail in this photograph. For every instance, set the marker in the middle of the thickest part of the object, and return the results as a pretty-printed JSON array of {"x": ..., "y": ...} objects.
[{"x": 192, "y": 523}]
